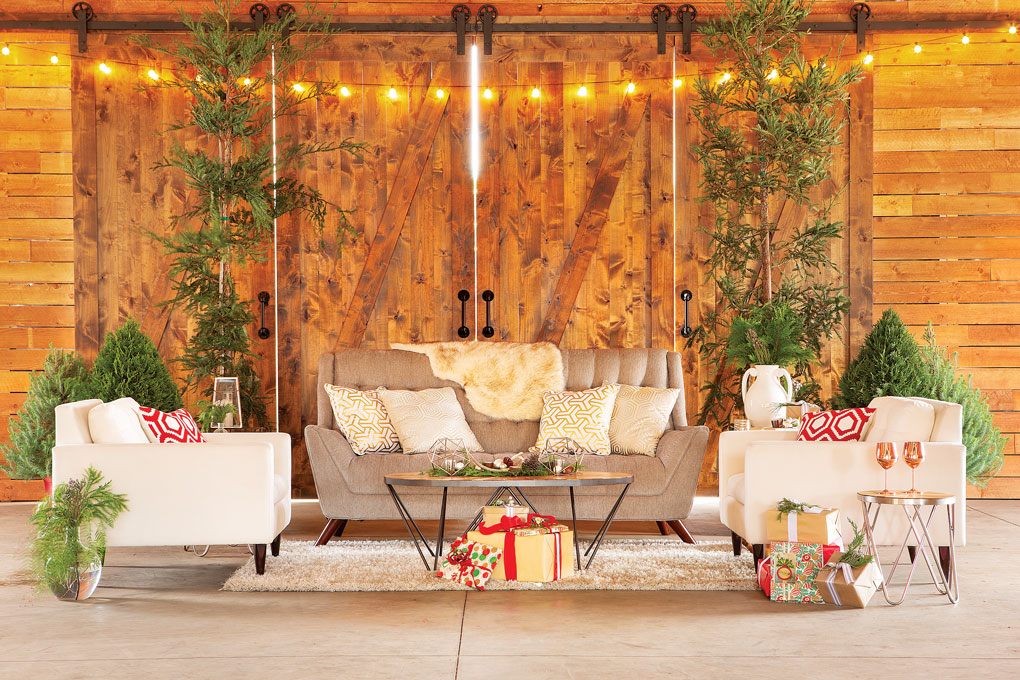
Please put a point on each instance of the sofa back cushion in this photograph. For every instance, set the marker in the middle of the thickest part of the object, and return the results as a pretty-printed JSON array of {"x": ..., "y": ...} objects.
[
  {"x": 640, "y": 416},
  {"x": 421, "y": 417}
]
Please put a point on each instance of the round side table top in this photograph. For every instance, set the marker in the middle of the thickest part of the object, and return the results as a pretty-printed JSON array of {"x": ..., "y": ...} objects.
[
  {"x": 582, "y": 478},
  {"x": 906, "y": 498}
]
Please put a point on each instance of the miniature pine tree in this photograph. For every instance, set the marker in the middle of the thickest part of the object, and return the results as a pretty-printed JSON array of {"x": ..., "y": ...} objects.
[
  {"x": 64, "y": 378},
  {"x": 888, "y": 364},
  {"x": 129, "y": 365},
  {"x": 982, "y": 439}
]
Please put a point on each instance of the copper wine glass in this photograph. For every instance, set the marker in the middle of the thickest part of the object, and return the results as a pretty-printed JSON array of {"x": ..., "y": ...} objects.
[
  {"x": 913, "y": 455},
  {"x": 885, "y": 453}
]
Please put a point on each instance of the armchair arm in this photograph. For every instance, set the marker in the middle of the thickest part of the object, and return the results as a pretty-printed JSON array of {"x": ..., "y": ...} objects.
[
  {"x": 280, "y": 441},
  {"x": 182, "y": 494},
  {"x": 733, "y": 445}
]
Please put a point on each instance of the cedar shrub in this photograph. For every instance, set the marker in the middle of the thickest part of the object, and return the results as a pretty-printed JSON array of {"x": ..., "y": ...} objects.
[{"x": 129, "y": 365}]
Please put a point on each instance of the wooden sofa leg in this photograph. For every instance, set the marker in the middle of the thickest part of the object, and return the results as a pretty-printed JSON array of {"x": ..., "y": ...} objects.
[
  {"x": 330, "y": 530},
  {"x": 663, "y": 528},
  {"x": 736, "y": 543},
  {"x": 260, "y": 558},
  {"x": 681, "y": 531},
  {"x": 758, "y": 553},
  {"x": 274, "y": 547},
  {"x": 340, "y": 528}
]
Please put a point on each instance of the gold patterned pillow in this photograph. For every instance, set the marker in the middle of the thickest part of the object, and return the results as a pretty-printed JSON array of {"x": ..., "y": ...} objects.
[
  {"x": 583, "y": 416},
  {"x": 640, "y": 416},
  {"x": 363, "y": 420}
]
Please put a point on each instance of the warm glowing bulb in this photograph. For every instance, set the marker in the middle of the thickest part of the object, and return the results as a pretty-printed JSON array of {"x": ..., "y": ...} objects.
[
  {"x": 7, "y": 50},
  {"x": 1012, "y": 31},
  {"x": 773, "y": 74},
  {"x": 582, "y": 91},
  {"x": 54, "y": 59},
  {"x": 105, "y": 69},
  {"x": 868, "y": 58},
  {"x": 631, "y": 87},
  {"x": 487, "y": 94},
  {"x": 392, "y": 94},
  {"x": 726, "y": 76},
  {"x": 298, "y": 87},
  {"x": 345, "y": 92},
  {"x": 917, "y": 48},
  {"x": 198, "y": 78},
  {"x": 440, "y": 93},
  {"x": 246, "y": 81},
  {"x": 965, "y": 39},
  {"x": 152, "y": 74},
  {"x": 536, "y": 93},
  {"x": 677, "y": 82}
]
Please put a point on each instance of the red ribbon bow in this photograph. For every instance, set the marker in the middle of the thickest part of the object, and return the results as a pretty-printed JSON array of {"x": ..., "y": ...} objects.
[{"x": 508, "y": 524}]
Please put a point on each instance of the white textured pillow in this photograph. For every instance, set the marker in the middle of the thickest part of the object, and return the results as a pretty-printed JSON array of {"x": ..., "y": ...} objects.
[
  {"x": 640, "y": 416},
  {"x": 117, "y": 422},
  {"x": 423, "y": 416},
  {"x": 900, "y": 419}
]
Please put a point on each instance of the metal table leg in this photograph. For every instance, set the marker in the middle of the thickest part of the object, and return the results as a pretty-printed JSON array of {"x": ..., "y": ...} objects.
[
  {"x": 523, "y": 500},
  {"x": 577, "y": 537},
  {"x": 408, "y": 521},
  {"x": 604, "y": 529},
  {"x": 442, "y": 528}
]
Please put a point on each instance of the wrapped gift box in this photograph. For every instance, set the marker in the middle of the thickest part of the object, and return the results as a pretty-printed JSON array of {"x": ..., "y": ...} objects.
[
  {"x": 491, "y": 514},
  {"x": 794, "y": 568},
  {"x": 536, "y": 552},
  {"x": 817, "y": 525},
  {"x": 844, "y": 586},
  {"x": 469, "y": 563}
]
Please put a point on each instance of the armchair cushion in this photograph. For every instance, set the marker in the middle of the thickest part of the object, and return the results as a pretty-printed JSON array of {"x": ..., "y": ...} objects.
[
  {"x": 842, "y": 425},
  {"x": 735, "y": 487},
  {"x": 900, "y": 419},
  {"x": 116, "y": 422}
]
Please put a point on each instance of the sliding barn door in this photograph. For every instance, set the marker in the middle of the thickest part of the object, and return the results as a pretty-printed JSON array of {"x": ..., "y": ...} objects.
[
  {"x": 409, "y": 195},
  {"x": 575, "y": 207}
]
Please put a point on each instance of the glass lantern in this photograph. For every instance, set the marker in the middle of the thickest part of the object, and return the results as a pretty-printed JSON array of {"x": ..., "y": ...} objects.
[
  {"x": 561, "y": 456},
  {"x": 449, "y": 455}
]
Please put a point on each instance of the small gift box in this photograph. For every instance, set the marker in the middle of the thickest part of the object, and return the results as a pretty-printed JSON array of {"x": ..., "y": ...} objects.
[
  {"x": 469, "y": 563},
  {"x": 844, "y": 585},
  {"x": 491, "y": 514},
  {"x": 806, "y": 524},
  {"x": 538, "y": 549},
  {"x": 794, "y": 567}
]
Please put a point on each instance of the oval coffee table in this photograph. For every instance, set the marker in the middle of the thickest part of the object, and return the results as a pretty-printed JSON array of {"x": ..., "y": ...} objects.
[{"x": 501, "y": 485}]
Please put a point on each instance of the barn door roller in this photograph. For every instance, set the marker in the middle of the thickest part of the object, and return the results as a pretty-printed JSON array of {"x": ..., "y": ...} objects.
[
  {"x": 686, "y": 14},
  {"x": 460, "y": 14},
  {"x": 486, "y": 17},
  {"x": 82, "y": 11},
  {"x": 660, "y": 15},
  {"x": 860, "y": 13}
]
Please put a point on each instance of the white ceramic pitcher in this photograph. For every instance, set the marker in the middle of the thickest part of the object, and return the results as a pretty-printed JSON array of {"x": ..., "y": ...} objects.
[{"x": 764, "y": 393}]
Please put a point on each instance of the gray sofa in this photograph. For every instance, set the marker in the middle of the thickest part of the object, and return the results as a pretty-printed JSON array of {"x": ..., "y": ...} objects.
[{"x": 351, "y": 487}]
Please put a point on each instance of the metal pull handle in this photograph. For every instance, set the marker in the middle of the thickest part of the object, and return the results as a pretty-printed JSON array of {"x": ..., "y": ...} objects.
[
  {"x": 686, "y": 331},
  {"x": 487, "y": 330},
  {"x": 264, "y": 332},
  {"x": 463, "y": 296}
]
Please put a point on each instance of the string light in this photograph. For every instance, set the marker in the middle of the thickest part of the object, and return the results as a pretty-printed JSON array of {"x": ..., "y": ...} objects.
[
  {"x": 677, "y": 82},
  {"x": 392, "y": 94},
  {"x": 344, "y": 92},
  {"x": 198, "y": 78},
  {"x": 54, "y": 59},
  {"x": 726, "y": 77},
  {"x": 6, "y": 50},
  {"x": 773, "y": 74},
  {"x": 487, "y": 94},
  {"x": 582, "y": 91},
  {"x": 1012, "y": 30},
  {"x": 104, "y": 68},
  {"x": 631, "y": 87},
  {"x": 868, "y": 58},
  {"x": 440, "y": 93},
  {"x": 536, "y": 93},
  {"x": 917, "y": 48},
  {"x": 965, "y": 39},
  {"x": 298, "y": 87},
  {"x": 246, "y": 81},
  {"x": 152, "y": 74}
]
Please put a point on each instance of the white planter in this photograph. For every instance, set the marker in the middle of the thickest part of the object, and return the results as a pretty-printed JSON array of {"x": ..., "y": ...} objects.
[{"x": 763, "y": 394}]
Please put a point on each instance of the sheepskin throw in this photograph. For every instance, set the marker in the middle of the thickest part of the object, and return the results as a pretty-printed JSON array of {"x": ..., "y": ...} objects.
[{"x": 502, "y": 380}]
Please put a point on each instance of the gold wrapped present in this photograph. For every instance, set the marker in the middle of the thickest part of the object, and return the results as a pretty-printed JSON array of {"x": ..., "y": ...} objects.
[
  {"x": 533, "y": 530},
  {"x": 538, "y": 550},
  {"x": 491, "y": 514},
  {"x": 844, "y": 586},
  {"x": 814, "y": 525}
]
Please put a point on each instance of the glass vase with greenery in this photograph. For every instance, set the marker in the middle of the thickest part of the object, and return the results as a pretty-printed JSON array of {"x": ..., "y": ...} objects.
[{"x": 212, "y": 415}]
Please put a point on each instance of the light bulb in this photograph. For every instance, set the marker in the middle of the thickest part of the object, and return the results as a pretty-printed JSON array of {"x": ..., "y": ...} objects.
[
  {"x": 965, "y": 39},
  {"x": 345, "y": 92},
  {"x": 631, "y": 87},
  {"x": 440, "y": 93},
  {"x": 152, "y": 74},
  {"x": 726, "y": 76},
  {"x": 536, "y": 93},
  {"x": 773, "y": 74},
  {"x": 677, "y": 82},
  {"x": 582, "y": 91},
  {"x": 487, "y": 94},
  {"x": 917, "y": 48},
  {"x": 1012, "y": 31},
  {"x": 105, "y": 69},
  {"x": 392, "y": 94},
  {"x": 298, "y": 87},
  {"x": 6, "y": 50},
  {"x": 54, "y": 59},
  {"x": 198, "y": 78},
  {"x": 868, "y": 58},
  {"x": 246, "y": 81}
]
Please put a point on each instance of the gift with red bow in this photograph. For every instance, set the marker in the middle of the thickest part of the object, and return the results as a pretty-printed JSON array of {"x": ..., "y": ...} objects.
[
  {"x": 469, "y": 563},
  {"x": 536, "y": 548}
]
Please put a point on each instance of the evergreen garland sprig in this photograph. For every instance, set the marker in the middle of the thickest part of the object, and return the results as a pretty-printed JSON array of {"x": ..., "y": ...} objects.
[
  {"x": 786, "y": 506},
  {"x": 854, "y": 555}
]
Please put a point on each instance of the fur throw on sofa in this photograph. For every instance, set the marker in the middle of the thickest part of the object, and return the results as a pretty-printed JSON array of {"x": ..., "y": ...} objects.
[{"x": 501, "y": 379}]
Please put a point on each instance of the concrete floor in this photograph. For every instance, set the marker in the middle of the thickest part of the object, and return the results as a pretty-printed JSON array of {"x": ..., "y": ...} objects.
[{"x": 159, "y": 613}]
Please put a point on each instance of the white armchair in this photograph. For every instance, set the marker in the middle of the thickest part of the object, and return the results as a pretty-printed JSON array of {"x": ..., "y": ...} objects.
[
  {"x": 759, "y": 468},
  {"x": 235, "y": 488}
]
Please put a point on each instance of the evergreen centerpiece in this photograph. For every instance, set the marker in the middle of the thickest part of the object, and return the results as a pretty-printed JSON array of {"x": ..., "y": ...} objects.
[
  {"x": 64, "y": 378},
  {"x": 129, "y": 365},
  {"x": 238, "y": 82},
  {"x": 769, "y": 127}
]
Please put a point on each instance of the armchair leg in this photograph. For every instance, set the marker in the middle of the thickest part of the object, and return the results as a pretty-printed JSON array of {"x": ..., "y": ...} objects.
[
  {"x": 334, "y": 527},
  {"x": 944, "y": 562},
  {"x": 663, "y": 528},
  {"x": 758, "y": 552},
  {"x": 274, "y": 547},
  {"x": 736, "y": 543},
  {"x": 681, "y": 531},
  {"x": 260, "y": 558}
]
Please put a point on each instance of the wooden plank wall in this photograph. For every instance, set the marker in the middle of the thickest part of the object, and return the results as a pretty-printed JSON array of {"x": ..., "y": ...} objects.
[
  {"x": 36, "y": 290},
  {"x": 947, "y": 208}
]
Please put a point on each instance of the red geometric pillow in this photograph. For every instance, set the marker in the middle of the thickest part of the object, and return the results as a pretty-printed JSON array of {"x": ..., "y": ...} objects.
[
  {"x": 177, "y": 427},
  {"x": 844, "y": 425}
]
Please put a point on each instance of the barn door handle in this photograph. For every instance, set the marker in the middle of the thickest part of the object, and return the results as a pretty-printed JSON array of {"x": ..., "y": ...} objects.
[
  {"x": 264, "y": 332},
  {"x": 463, "y": 296},
  {"x": 487, "y": 330},
  {"x": 686, "y": 330}
]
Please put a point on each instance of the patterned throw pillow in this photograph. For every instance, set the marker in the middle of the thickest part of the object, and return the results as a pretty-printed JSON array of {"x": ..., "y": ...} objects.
[
  {"x": 640, "y": 416},
  {"x": 177, "y": 427},
  {"x": 363, "y": 420},
  {"x": 583, "y": 416},
  {"x": 421, "y": 417},
  {"x": 844, "y": 425}
]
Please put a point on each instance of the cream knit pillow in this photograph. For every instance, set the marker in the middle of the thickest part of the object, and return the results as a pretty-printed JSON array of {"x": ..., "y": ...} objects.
[
  {"x": 583, "y": 416},
  {"x": 423, "y": 416},
  {"x": 363, "y": 420},
  {"x": 640, "y": 416}
]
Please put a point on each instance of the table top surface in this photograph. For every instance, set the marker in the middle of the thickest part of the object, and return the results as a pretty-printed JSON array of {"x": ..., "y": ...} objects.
[
  {"x": 583, "y": 478},
  {"x": 906, "y": 498}
]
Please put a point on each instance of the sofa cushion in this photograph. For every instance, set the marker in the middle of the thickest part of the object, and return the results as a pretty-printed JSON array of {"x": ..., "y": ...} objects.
[
  {"x": 583, "y": 416},
  {"x": 116, "y": 422},
  {"x": 363, "y": 419},
  {"x": 735, "y": 487},
  {"x": 900, "y": 419},
  {"x": 640, "y": 416},
  {"x": 424, "y": 416},
  {"x": 176, "y": 427}
]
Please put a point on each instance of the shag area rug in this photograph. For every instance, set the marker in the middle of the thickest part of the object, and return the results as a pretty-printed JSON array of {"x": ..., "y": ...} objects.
[{"x": 621, "y": 564}]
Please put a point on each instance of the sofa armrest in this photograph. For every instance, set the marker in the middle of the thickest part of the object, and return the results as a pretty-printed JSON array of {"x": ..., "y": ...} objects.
[
  {"x": 733, "y": 445},
  {"x": 681, "y": 452},
  {"x": 181, "y": 494},
  {"x": 280, "y": 441},
  {"x": 328, "y": 452}
]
